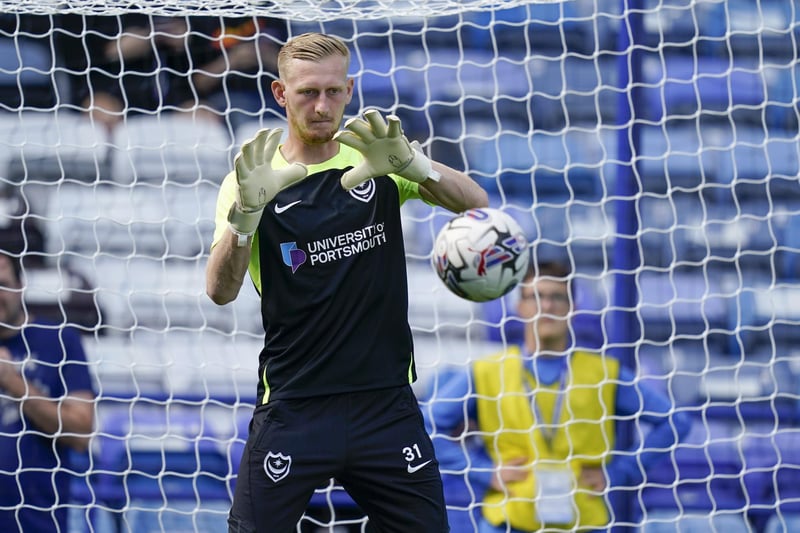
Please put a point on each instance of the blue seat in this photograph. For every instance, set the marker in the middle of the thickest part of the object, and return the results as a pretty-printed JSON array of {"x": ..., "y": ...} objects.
[
  {"x": 686, "y": 24},
  {"x": 783, "y": 523},
  {"x": 552, "y": 29},
  {"x": 527, "y": 169},
  {"x": 463, "y": 513},
  {"x": 703, "y": 478},
  {"x": 761, "y": 166},
  {"x": 681, "y": 305},
  {"x": 678, "y": 155},
  {"x": 687, "y": 85},
  {"x": 768, "y": 314},
  {"x": 733, "y": 234},
  {"x": 163, "y": 455},
  {"x": 773, "y": 459},
  {"x": 760, "y": 28},
  {"x": 691, "y": 522},
  {"x": 148, "y": 516},
  {"x": 789, "y": 249},
  {"x": 390, "y": 83}
]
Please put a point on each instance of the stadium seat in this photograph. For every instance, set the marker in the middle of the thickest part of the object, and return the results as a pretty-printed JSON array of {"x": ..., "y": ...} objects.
[
  {"x": 788, "y": 251},
  {"x": 147, "y": 516},
  {"x": 757, "y": 165},
  {"x": 474, "y": 87},
  {"x": 702, "y": 479},
  {"x": 774, "y": 480},
  {"x": 63, "y": 295},
  {"x": 172, "y": 220},
  {"x": 390, "y": 83},
  {"x": 524, "y": 169},
  {"x": 40, "y": 148},
  {"x": 159, "y": 294},
  {"x": 760, "y": 29},
  {"x": 688, "y": 85},
  {"x": 170, "y": 148},
  {"x": 551, "y": 29},
  {"x": 675, "y": 25},
  {"x": 767, "y": 313},
  {"x": 783, "y": 523},
  {"x": 681, "y": 305},
  {"x": 677, "y": 156},
  {"x": 160, "y": 454},
  {"x": 692, "y": 522},
  {"x": 738, "y": 234}
]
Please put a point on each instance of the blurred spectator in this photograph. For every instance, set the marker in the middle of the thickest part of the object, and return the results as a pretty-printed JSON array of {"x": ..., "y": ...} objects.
[
  {"x": 111, "y": 65},
  {"x": 545, "y": 414},
  {"x": 212, "y": 66},
  {"x": 226, "y": 67},
  {"x": 46, "y": 410}
]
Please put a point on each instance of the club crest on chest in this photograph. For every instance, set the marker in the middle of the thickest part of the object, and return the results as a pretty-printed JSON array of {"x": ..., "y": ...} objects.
[{"x": 364, "y": 192}]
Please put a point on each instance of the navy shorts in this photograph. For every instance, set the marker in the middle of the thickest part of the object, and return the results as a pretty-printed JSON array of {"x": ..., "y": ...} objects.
[{"x": 373, "y": 443}]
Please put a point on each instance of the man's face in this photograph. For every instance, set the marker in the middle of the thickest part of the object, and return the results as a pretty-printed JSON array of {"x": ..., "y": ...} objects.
[
  {"x": 545, "y": 306},
  {"x": 11, "y": 313},
  {"x": 315, "y": 95}
]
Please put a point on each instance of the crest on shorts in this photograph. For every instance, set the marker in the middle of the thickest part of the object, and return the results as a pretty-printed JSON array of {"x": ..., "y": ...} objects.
[
  {"x": 363, "y": 192},
  {"x": 277, "y": 465}
]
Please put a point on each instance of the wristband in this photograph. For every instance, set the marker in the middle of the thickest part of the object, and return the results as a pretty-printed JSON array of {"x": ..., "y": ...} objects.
[
  {"x": 242, "y": 239},
  {"x": 239, "y": 220}
]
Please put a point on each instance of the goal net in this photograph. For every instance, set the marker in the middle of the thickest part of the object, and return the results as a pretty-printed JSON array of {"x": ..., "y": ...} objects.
[{"x": 653, "y": 144}]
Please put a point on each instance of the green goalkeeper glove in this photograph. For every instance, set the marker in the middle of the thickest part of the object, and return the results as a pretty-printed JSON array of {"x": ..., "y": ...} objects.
[
  {"x": 257, "y": 182},
  {"x": 385, "y": 149}
]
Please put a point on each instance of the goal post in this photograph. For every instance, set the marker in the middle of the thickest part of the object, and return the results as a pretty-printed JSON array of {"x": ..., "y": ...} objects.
[{"x": 651, "y": 143}]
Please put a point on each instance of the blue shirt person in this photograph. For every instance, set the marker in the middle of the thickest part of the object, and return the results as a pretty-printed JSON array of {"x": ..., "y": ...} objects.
[
  {"x": 543, "y": 422},
  {"x": 46, "y": 411}
]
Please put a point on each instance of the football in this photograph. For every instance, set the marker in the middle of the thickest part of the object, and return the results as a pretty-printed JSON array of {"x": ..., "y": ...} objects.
[{"x": 481, "y": 254}]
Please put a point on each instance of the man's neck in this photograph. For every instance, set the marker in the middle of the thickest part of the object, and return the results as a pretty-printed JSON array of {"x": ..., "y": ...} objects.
[{"x": 547, "y": 349}]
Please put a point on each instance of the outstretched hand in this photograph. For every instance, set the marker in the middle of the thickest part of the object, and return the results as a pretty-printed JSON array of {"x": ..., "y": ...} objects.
[
  {"x": 385, "y": 148},
  {"x": 257, "y": 182}
]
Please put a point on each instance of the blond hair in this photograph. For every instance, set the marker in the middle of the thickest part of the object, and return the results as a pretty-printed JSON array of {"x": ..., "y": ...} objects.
[{"x": 311, "y": 47}]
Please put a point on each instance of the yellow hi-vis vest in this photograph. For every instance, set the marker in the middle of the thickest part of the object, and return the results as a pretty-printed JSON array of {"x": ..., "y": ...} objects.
[{"x": 585, "y": 434}]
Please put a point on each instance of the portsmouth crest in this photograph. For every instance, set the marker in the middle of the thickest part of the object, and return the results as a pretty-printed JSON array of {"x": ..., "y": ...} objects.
[
  {"x": 364, "y": 192},
  {"x": 277, "y": 465}
]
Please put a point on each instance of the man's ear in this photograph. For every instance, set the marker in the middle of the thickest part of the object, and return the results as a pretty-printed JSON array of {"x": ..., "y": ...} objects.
[{"x": 279, "y": 92}]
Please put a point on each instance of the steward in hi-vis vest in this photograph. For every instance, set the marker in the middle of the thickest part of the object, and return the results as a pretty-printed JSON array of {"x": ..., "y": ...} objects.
[{"x": 582, "y": 434}]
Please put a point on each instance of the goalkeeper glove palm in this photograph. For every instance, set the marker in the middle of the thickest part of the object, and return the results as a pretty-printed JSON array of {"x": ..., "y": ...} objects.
[
  {"x": 385, "y": 149},
  {"x": 257, "y": 182}
]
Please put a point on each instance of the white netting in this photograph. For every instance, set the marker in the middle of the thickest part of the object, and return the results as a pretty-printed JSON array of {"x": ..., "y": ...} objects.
[
  {"x": 543, "y": 108},
  {"x": 300, "y": 10}
]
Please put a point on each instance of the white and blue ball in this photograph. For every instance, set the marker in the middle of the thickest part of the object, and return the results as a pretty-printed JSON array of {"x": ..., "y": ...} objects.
[{"x": 481, "y": 254}]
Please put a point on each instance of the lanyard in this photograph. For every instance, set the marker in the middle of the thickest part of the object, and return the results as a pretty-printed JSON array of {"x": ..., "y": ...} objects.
[{"x": 548, "y": 430}]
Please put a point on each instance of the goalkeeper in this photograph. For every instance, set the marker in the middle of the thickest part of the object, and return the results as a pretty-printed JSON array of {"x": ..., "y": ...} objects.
[
  {"x": 546, "y": 416},
  {"x": 316, "y": 221}
]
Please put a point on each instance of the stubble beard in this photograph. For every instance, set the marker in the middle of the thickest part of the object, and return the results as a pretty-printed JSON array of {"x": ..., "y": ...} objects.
[{"x": 311, "y": 133}]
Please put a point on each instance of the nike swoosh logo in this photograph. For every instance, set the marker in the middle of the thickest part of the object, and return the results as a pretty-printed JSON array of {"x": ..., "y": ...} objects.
[
  {"x": 281, "y": 208},
  {"x": 412, "y": 469}
]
